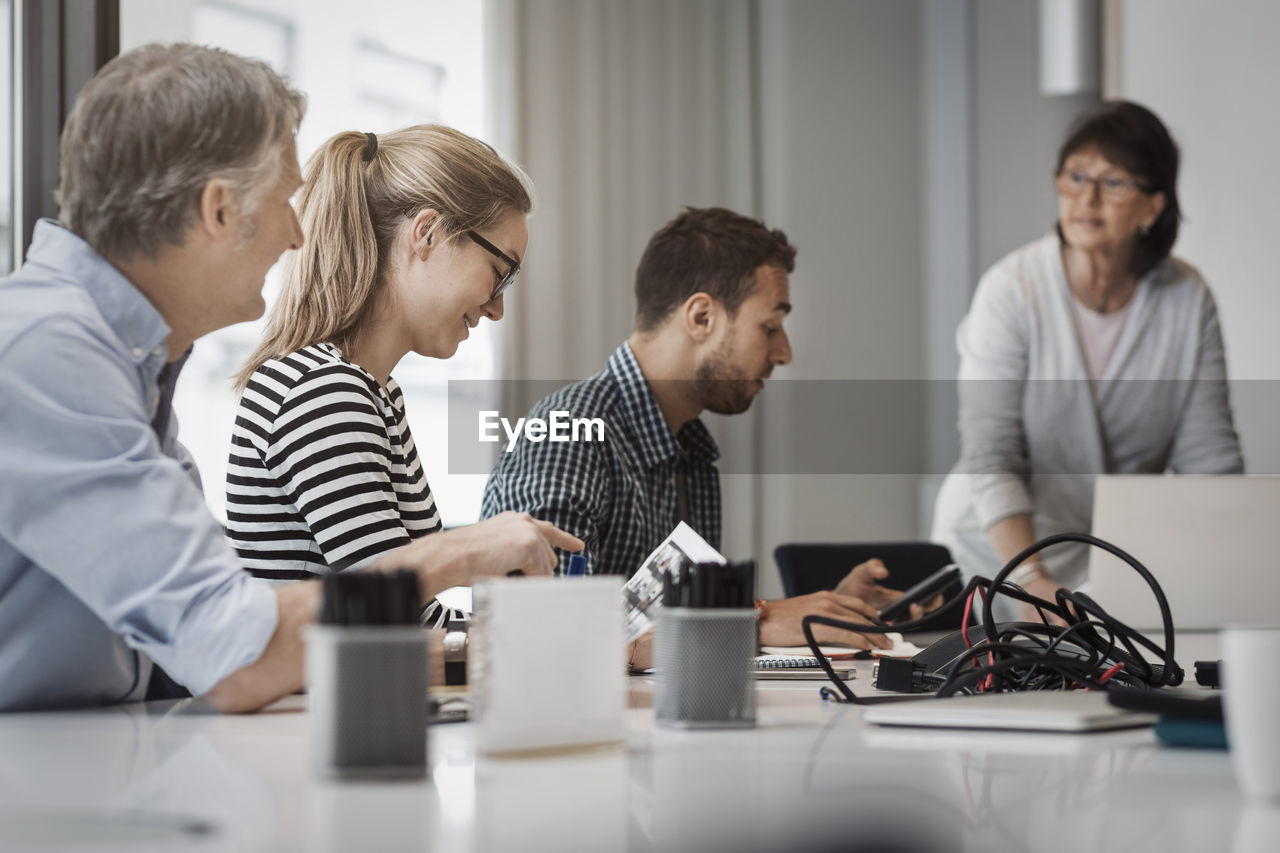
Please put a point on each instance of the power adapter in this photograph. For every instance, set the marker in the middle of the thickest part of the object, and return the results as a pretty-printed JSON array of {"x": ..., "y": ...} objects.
[{"x": 900, "y": 675}]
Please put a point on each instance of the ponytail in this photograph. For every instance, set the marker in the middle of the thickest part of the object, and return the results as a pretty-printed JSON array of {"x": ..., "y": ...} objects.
[
  {"x": 329, "y": 282},
  {"x": 351, "y": 207}
]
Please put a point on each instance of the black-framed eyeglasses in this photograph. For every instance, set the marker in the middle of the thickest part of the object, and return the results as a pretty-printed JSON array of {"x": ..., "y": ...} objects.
[{"x": 510, "y": 277}]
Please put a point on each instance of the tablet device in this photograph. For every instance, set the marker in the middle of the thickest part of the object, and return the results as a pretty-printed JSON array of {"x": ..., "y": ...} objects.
[{"x": 1039, "y": 710}]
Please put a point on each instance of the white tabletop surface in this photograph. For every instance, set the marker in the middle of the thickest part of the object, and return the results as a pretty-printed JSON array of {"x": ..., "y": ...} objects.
[{"x": 812, "y": 776}]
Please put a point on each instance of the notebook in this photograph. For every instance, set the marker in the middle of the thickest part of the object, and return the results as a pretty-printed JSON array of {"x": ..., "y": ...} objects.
[
  {"x": 802, "y": 669},
  {"x": 794, "y": 666},
  {"x": 792, "y": 669},
  {"x": 1040, "y": 710}
]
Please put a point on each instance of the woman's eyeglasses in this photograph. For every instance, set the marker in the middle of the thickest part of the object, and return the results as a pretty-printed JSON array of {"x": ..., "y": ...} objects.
[
  {"x": 512, "y": 263},
  {"x": 1112, "y": 188}
]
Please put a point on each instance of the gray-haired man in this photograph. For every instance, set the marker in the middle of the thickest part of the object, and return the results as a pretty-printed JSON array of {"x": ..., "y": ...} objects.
[{"x": 177, "y": 168}]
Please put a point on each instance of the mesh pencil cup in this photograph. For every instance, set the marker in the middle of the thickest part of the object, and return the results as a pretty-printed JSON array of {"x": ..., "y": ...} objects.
[{"x": 703, "y": 667}]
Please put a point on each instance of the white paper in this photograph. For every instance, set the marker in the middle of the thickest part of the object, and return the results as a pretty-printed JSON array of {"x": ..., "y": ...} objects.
[
  {"x": 805, "y": 651},
  {"x": 456, "y": 598},
  {"x": 643, "y": 592},
  {"x": 902, "y": 648},
  {"x": 549, "y": 664}
]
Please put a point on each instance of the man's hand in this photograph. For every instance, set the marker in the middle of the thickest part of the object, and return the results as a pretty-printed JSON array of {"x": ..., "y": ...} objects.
[
  {"x": 781, "y": 623},
  {"x": 863, "y": 581},
  {"x": 278, "y": 670},
  {"x": 640, "y": 652}
]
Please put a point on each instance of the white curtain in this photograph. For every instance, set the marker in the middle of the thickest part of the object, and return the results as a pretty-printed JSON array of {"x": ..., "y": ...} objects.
[{"x": 621, "y": 112}]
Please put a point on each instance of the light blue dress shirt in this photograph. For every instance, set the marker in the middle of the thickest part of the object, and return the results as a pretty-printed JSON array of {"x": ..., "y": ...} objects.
[{"x": 109, "y": 558}]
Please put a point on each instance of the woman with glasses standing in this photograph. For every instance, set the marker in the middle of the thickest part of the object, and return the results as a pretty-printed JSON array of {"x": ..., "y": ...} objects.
[
  {"x": 1091, "y": 350},
  {"x": 411, "y": 238}
]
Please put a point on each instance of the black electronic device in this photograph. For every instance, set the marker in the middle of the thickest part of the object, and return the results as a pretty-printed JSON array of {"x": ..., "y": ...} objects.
[
  {"x": 1209, "y": 673},
  {"x": 1088, "y": 648},
  {"x": 920, "y": 673},
  {"x": 938, "y": 656},
  {"x": 1187, "y": 718},
  {"x": 921, "y": 592},
  {"x": 1185, "y": 705}
]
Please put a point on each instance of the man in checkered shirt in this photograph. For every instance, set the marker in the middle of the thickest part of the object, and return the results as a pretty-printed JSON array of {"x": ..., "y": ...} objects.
[{"x": 712, "y": 292}]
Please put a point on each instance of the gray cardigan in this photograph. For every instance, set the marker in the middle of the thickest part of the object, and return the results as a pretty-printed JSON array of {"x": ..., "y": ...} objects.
[{"x": 1034, "y": 429}]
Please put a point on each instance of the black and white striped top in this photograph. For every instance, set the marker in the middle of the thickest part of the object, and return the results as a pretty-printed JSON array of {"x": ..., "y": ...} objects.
[{"x": 323, "y": 473}]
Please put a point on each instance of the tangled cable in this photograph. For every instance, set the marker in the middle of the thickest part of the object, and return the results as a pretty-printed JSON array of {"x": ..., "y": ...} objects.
[{"x": 1092, "y": 649}]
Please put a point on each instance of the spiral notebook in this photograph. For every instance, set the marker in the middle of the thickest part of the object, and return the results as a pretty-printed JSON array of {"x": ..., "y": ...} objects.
[
  {"x": 794, "y": 666},
  {"x": 784, "y": 661}
]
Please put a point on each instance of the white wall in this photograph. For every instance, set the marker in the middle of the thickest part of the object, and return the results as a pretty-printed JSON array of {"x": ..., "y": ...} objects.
[
  {"x": 1017, "y": 130},
  {"x": 841, "y": 161},
  {"x": 1209, "y": 70}
]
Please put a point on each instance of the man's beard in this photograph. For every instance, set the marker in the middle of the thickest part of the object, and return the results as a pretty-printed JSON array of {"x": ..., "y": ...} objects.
[{"x": 722, "y": 388}]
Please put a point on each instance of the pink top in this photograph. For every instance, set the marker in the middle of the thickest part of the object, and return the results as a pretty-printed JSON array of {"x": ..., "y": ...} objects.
[{"x": 1099, "y": 334}]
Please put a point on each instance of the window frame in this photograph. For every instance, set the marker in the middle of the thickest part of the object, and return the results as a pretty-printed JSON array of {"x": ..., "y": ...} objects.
[{"x": 58, "y": 46}]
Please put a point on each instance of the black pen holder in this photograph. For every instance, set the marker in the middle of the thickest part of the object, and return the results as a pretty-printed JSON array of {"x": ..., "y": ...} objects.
[
  {"x": 367, "y": 688},
  {"x": 703, "y": 660},
  {"x": 367, "y": 677}
]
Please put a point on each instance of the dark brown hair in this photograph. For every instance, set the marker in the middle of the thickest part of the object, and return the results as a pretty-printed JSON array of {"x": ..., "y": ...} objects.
[
  {"x": 1131, "y": 136},
  {"x": 709, "y": 250}
]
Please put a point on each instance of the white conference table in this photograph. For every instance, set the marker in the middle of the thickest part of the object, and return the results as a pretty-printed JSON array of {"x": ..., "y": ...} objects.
[{"x": 812, "y": 777}]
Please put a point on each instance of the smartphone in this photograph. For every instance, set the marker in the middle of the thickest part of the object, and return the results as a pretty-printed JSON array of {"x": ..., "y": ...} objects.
[{"x": 921, "y": 592}]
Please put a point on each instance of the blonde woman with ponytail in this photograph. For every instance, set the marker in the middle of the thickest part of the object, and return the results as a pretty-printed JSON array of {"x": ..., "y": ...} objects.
[{"x": 411, "y": 239}]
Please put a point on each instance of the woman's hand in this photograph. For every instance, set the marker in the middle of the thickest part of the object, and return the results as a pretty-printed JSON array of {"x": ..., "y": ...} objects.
[
  {"x": 516, "y": 541},
  {"x": 1041, "y": 586},
  {"x": 505, "y": 544},
  {"x": 435, "y": 660}
]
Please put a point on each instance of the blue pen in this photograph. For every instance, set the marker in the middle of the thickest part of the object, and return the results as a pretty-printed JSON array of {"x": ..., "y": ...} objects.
[{"x": 577, "y": 566}]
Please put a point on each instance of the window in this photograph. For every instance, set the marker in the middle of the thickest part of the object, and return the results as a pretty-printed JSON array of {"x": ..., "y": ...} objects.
[
  {"x": 7, "y": 249},
  {"x": 387, "y": 65}
]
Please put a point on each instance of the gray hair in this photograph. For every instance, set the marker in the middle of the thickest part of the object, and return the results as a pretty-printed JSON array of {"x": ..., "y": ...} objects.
[{"x": 155, "y": 125}]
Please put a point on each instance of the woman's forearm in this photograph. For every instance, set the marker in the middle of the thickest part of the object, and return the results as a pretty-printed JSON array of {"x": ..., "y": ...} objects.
[
  {"x": 442, "y": 560},
  {"x": 1011, "y": 535}
]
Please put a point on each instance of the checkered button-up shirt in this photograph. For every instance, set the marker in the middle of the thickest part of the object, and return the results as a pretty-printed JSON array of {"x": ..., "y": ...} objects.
[{"x": 618, "y": 495}]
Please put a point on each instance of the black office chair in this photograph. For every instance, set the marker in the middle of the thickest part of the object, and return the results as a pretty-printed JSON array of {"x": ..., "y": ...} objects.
[{"x": 811, "y": 567}]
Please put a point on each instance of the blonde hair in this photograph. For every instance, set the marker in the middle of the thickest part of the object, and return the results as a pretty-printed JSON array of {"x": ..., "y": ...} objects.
[{"x": 351, "y": 206}]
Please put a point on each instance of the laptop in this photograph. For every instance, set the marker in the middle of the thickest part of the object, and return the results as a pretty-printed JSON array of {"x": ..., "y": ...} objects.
[
  {"x": 1210, "y": 542},
  {"x": 1040, "y": 710}
]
